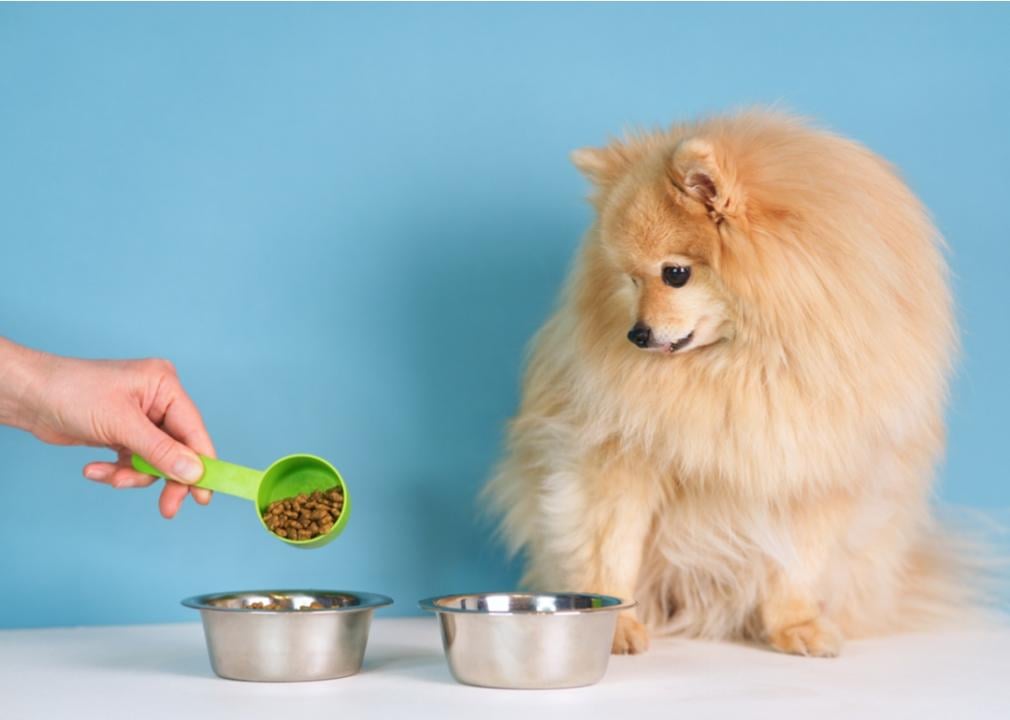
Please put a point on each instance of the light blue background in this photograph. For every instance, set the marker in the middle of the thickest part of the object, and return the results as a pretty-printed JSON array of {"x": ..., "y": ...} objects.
[{"x": 343, "y": 223}]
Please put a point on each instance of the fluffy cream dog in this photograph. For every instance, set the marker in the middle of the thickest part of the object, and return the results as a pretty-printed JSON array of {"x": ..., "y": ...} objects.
[{"x": 735, "y": 414}]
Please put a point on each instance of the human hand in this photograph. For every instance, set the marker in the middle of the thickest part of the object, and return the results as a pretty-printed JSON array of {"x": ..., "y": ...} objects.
[{"x": 130, "y": 406}]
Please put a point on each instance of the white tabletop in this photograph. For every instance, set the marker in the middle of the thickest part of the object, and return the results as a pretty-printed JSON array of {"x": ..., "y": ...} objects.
[{"x": 161, "y": 671}]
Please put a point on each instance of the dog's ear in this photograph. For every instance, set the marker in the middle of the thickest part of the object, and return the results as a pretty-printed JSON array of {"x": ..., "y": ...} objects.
[
  {"x": 602, "y": 166},
  {"x": 698, "y": 171}
]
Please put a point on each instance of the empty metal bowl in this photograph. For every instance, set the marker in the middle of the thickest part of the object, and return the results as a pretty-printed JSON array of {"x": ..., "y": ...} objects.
[
  {"x": 527, "y": 640},
  {"x": 286, "y": 635}
]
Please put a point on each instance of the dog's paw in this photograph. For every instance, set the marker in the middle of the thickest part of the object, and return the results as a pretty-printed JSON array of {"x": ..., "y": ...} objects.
[
  {"x": 631, "y": 637},
  {"x": 814, "y": 638}
]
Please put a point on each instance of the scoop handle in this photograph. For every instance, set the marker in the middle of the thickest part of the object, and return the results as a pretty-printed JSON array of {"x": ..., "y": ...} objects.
[{"x": 218, "y": 475}]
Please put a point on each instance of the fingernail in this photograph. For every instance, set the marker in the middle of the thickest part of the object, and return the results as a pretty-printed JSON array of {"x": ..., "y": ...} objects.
[
  {"x": 96, "y": 473},
  {"x": 188, "y": 469}
]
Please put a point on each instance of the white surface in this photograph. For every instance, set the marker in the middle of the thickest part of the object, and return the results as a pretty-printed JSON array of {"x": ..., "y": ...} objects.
[{"x": 161, "y": 671}]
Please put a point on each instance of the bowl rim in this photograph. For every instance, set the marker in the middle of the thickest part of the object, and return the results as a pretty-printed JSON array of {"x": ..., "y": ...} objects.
[
  {"x": 616, "y": 604},
  {"x": 367, "y": 601}
]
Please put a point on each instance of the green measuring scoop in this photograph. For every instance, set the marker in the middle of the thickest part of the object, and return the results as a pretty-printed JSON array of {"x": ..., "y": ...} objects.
[{"x": 285, "y": 478}]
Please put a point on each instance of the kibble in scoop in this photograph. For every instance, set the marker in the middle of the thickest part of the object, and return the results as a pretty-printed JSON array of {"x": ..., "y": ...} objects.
[{"x": 305, "y": 516}]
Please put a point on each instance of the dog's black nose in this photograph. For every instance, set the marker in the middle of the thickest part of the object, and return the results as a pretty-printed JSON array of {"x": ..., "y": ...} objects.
[{"x": 640, "y": 335}]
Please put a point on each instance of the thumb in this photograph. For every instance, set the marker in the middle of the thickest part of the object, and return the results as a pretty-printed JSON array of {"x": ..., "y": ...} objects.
[{"x": 174, "y": 459}]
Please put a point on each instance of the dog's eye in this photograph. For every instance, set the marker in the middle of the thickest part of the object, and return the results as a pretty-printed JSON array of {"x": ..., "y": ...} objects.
[{"x": 676, "y": 275}]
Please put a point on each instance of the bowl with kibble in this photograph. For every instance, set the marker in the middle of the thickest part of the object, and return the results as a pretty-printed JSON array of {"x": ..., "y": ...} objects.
[
  {"x": 286, "y": 635},
  {"x": 300, "y": 499}
]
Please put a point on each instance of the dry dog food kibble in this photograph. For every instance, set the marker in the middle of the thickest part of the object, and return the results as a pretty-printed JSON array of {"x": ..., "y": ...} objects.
[
  {"x": 304, "y": 517},
  {"x": 273, "y": 605}
]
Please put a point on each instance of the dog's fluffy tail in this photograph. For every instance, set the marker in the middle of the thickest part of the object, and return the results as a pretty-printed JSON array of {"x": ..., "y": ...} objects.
[{"x": 957, "y": 575}]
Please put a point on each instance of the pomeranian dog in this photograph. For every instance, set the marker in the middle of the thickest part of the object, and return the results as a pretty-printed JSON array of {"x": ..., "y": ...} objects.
[{"x": 735, "y": 414}]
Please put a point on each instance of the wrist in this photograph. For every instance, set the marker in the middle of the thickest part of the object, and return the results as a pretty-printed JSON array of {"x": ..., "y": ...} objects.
[{"x": 22, "y": 376}]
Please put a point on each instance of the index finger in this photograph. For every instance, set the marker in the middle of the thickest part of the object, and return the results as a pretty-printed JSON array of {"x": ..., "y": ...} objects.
[{"x": 183, "y": 422}]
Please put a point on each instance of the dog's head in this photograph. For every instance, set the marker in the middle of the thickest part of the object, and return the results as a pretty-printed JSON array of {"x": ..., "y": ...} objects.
[{"x": 661, "y": 202}]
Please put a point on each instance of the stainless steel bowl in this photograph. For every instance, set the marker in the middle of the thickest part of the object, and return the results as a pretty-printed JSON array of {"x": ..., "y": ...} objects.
[
  {"x": 286, "y": 635},
  {"x": 527, "y": 640}
]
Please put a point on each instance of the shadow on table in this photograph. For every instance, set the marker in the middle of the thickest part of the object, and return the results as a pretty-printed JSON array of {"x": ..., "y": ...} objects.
[{"x": 409, "y": 662}]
